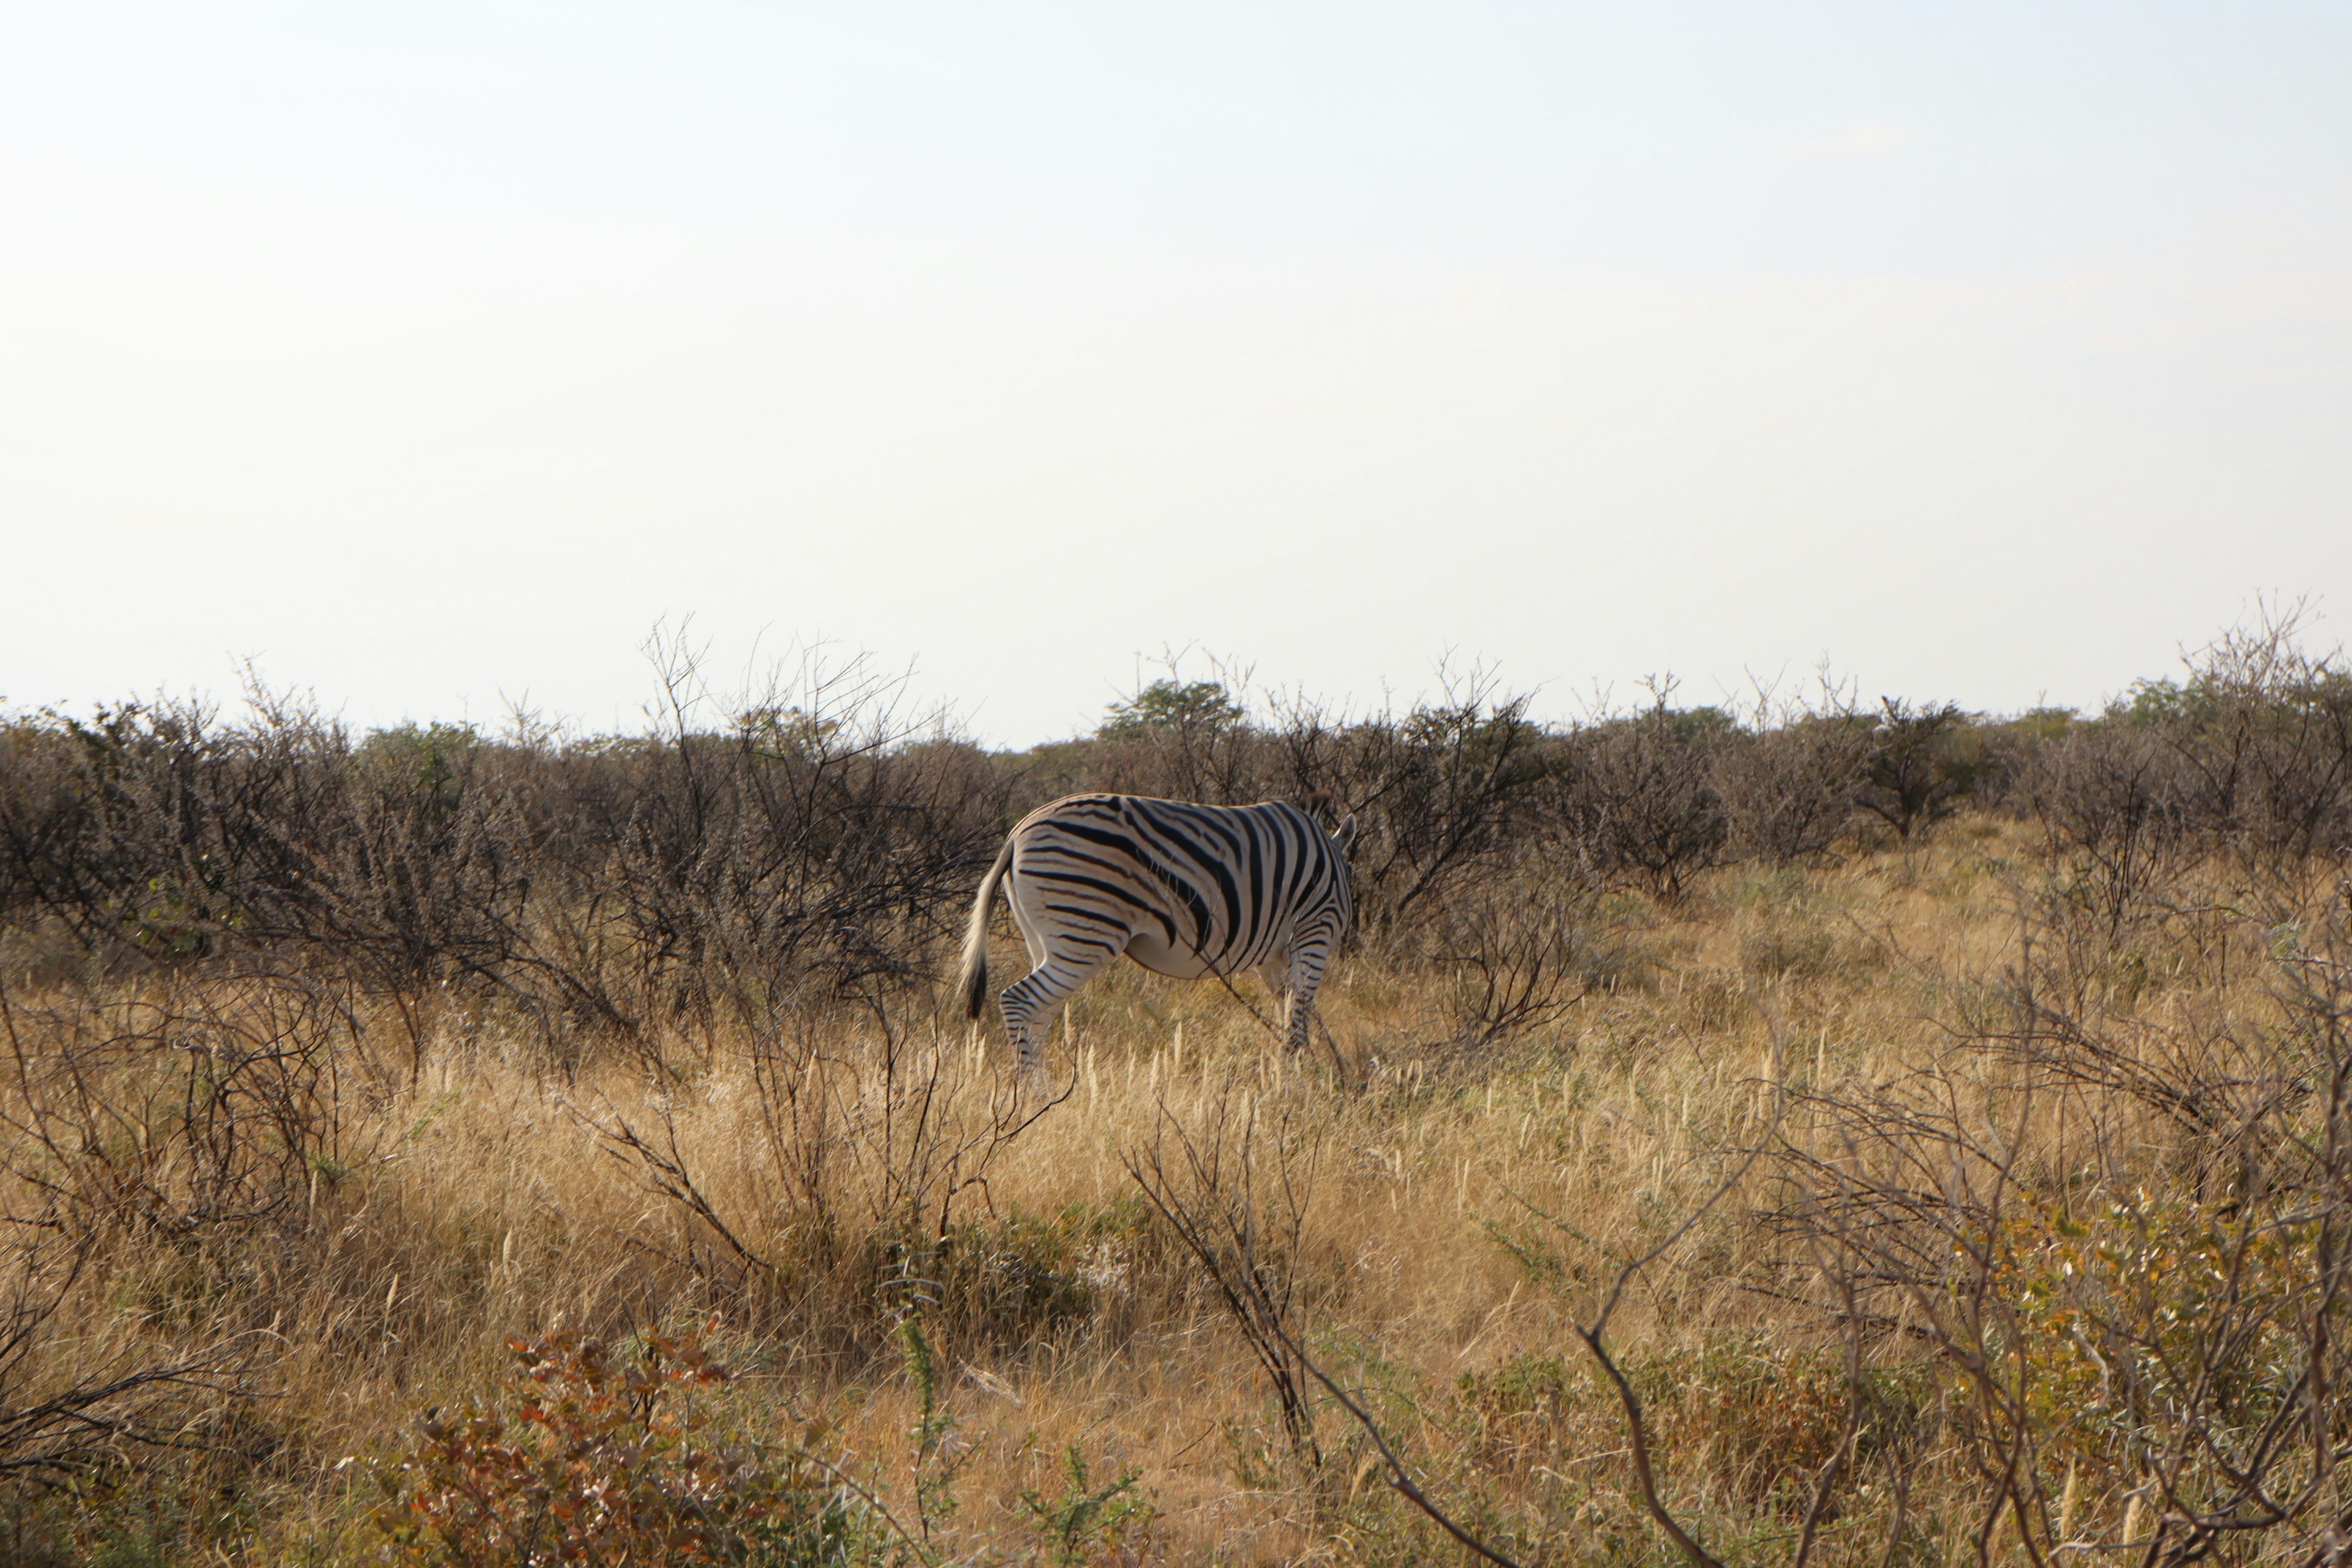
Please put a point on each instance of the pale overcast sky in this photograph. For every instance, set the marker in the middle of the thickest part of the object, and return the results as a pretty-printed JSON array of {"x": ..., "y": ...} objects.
[{"x": 427, "y": 353}]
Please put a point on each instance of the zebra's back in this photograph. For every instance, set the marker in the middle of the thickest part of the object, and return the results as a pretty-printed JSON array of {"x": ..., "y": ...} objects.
[{"x": 1183, "y": 889}]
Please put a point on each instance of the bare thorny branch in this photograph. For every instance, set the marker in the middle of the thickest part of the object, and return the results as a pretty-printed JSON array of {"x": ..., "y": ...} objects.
[{"x": 1221, "y": 1228}]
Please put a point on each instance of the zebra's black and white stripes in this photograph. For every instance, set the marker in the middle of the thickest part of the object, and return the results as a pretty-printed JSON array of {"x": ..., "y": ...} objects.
[{"x": 1183, "y": 890}]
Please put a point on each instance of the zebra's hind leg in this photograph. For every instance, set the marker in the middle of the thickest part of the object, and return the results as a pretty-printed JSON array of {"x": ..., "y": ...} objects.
[
  {"x": 1310, "y": 953},
  {"x": 1029, "y": 1003}
]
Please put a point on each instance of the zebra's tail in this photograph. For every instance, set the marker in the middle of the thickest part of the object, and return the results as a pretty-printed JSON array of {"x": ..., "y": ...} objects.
[{"x": 971, "y": 984}]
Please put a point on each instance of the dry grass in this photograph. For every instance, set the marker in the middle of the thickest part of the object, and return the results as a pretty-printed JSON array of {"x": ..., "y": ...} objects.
[{"x": 1459, "y": 1211}]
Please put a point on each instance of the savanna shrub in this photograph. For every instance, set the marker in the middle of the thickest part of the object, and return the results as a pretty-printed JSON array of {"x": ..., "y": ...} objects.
[
  {"x": 1639, "y": 799},
  {"x": 594, "y": 1453},
  {"x": 1925, "y": 760},
  {"x": 1788, "y": 793},
  {"x": 2114, "y": 804}
]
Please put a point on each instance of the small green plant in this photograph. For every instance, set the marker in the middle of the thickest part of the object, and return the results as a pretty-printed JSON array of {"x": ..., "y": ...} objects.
[
  {"x": 938, "y": 1458},
  {"x": 425, "y": 757},
  {"x": 1087, "y": 1524}
]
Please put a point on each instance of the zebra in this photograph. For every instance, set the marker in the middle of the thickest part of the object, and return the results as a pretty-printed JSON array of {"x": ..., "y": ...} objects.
[{"x": 1181, "y": 889}]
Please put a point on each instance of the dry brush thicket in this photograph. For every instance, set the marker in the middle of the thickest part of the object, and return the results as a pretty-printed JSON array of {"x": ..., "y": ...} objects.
[{"x": 1838, "y": 1135}]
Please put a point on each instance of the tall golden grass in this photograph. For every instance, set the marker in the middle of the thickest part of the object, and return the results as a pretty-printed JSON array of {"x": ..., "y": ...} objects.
[{"x": 789, "y": 1195}]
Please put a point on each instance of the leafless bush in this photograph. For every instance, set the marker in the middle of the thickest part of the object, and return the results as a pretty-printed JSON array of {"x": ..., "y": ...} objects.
[
  {"x": 2249, "y": 758},
  {"x": 1517, "y": 950},
  {"x": 2262, "y": 732},
  {"x": 1638, "y": 796},
  {"x": 189, "y": 1121},
  {"x": 1442, "y": 790},
  {"x": 1518, "y": 961},
  {"x": 802, "y": 844},
  {"x": 2112, "y": 805},
  {"x": 1788, "y": 790},
  {"x": 193, "y": 837},
  {"x": 1184, "y": 739},
  {"x": 44, "y": 816},
  {"x": 213, "y": 1105},
  {"x": 814, "y": 851}
]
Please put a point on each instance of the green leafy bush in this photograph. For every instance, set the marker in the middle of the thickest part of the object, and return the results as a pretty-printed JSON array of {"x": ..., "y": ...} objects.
[{"x": 1170, "y": 704}]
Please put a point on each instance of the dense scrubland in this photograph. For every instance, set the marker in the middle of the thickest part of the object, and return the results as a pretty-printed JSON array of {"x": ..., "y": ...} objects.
[{"x": 1815, "y": 1133}]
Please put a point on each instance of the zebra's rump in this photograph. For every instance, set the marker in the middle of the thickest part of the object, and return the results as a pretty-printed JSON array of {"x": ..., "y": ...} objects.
[{"x": 1187, "y": 889}]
